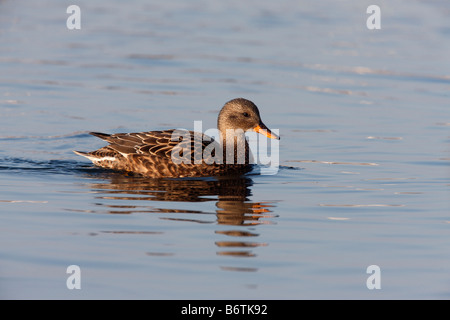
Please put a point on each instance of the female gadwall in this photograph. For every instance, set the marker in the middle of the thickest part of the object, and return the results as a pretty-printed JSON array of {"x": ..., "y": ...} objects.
[{"x": 182, "y": 153}]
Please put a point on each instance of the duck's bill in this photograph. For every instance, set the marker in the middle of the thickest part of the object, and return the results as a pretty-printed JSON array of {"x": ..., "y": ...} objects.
[{"x": 261, "y": 128}]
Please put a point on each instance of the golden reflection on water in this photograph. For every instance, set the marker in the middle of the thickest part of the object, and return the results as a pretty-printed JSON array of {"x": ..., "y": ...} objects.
[{"x": 232, "y": 207}]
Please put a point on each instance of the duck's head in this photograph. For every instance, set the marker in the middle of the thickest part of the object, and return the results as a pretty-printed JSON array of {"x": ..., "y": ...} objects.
[{"x": 242, "y": 114}]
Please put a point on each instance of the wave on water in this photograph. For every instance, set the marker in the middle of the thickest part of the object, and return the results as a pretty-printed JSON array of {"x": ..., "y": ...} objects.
[
  {"x": 55, "y": 166},
  {"x": 22, "y": 165},
  {"x": 77, "y": 134}
]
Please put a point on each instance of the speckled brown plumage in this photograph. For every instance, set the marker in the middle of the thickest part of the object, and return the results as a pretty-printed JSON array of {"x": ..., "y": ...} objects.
[{"x": 151, "y": 153}]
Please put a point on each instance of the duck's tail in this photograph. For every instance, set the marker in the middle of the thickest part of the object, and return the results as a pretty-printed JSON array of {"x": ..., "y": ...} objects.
[
  {"x": 86, "y": 155},
  {"x": 91, "y": 155}
]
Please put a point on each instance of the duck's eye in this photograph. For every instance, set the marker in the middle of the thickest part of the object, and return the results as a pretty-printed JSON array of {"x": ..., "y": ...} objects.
[{"x": 245, "y": 114}]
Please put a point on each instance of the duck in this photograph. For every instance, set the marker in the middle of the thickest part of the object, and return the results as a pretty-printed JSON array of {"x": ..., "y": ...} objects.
[{"x": 179, "y": 153}]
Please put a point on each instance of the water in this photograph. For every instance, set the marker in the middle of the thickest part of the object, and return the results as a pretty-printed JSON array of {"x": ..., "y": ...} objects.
[{"x": 364, "y": 123}]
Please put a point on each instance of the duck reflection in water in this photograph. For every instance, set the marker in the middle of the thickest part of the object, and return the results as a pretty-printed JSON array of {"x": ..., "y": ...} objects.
[{"x": 231, "y": 195}]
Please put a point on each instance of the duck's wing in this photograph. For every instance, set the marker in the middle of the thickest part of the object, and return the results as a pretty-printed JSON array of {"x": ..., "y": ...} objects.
[{"x": 165, "y": 144}]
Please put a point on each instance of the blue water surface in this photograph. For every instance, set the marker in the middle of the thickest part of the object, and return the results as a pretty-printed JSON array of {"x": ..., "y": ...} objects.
[{"x": 364, "y": 153}]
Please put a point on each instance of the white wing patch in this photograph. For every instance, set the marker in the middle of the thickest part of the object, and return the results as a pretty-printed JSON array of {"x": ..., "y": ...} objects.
[{"x": 96, "y": 159}]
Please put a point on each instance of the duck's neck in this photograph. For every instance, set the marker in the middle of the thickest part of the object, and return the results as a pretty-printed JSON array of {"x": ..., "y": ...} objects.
[{"x": 235, "y": 146}]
